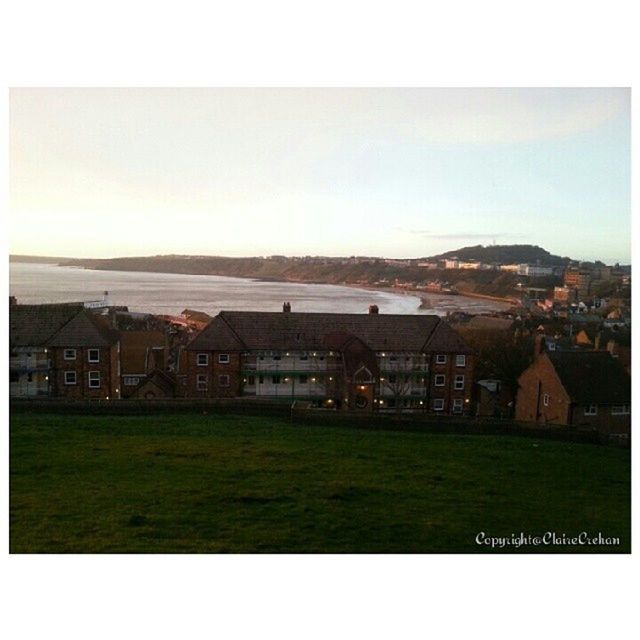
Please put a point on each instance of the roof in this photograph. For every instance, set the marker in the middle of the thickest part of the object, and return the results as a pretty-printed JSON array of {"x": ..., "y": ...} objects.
[
  {"x": 255, "y": 330},
  {"x": 592, "y": 377},
  {"x": 134, "y": 350},
  {"x": 490, "y": 323},
  {"x": 32, "y": 325},
  {"x": 85, "y": 330}
]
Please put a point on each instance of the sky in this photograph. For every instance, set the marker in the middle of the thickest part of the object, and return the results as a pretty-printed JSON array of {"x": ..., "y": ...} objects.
[{"x": 378, "y": 172}]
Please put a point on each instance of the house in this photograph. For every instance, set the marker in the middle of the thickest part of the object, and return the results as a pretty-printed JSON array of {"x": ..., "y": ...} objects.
[
  {"x": 361, "y": 362},
  {"x": 141, "y": 352},
  {"x": 62, "y": 350},
  {"x": 582, "y": 389},
  {"x": 493, "y": 399}
]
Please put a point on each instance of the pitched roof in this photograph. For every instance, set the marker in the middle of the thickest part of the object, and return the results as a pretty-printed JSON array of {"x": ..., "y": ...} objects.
[
  {"x": 592, "y": 377},
  {"x": 85, "y": 330},
  {"x": 255, "y": 330},
  {"x": 32, "y": 325},
  {"x": 134, "y": 350}
]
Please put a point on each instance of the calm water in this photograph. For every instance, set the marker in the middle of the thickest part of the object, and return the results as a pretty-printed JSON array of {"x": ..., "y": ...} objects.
[{"x": 171, "y": 293}]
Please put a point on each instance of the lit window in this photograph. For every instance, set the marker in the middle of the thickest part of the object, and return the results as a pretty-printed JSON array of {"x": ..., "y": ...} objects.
[
  {"x": 223, "y": 380},
  {"x": 591, "y": 410},
  {"x": 441, "y": 359},
  {"x": 94, "y": 379},
  {"x": 458, "y": 383},
  {"x": 545, "y": 399},
  {"x": 223, "y": 358},
  {"x": 202, "y": 359},
  {"x": 461, "y": 361},
  {"x": 201, "y": 382},
  {"x": 438, "y": 404},
  {"x": 70, "y": 377},
  {"x": 439, "y": 380},
  {"x": 70, "y": 354},
  {"x": 93, "y": 355}
]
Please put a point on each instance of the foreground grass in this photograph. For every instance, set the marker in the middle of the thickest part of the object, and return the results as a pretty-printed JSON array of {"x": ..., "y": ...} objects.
[{"x": 203, "y": 483}]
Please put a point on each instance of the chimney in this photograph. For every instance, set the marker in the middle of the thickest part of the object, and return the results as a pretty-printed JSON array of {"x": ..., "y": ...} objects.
[
  {"x": 286, "y": 307},
  {"x": 373, "y": 308},
  {"x": 540, "y": 345}
]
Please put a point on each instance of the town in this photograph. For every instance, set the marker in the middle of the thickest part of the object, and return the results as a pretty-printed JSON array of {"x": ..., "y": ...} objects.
[{"x": 560, "y": 353}]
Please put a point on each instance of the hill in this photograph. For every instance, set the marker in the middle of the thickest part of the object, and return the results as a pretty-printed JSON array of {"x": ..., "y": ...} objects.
[{"x": 506, "y": 254}]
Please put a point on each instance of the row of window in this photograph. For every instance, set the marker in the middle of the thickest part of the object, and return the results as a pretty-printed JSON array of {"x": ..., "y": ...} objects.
[
  {"x": 223, "y": 358},
  {"x": 592, "y": 409},
  {"x": 93, "y": 355},
  {"x": 439, "y": 380},
  {"x": 93, "y": 378},
  {"x": 456, "y": 407},
  {"x": 461, "y": 360},
  {"x": 203, "y": 359},
  {"x": 202, "y": 384}
]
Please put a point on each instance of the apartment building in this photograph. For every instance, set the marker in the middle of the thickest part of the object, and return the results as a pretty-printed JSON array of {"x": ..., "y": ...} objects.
[{"x": 361, "y": 362}]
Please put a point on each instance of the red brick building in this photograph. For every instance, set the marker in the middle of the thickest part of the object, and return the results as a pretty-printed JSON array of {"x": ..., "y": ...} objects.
[
  {"x": 584, "y": 389},
  {"x": 357, "y": 361}
]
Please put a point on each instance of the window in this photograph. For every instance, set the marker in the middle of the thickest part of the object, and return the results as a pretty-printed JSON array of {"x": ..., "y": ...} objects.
[
  {"x": 393, "y": 359},
  {"x": 275, "y": 379},
  {"x": 461, "y": 361},
  {"x": 393, "y": 378},
  {"x": 201, "y": 382},
  {"x": 277, "y": 357},
  {"x": 438, "y": 404},
  {"x": 94, "y": 379},
  {"x": 69, "y": 354},
  {"x": 545, "y": 399},
  {"x": 457, "y": 405},
  {"x": 223, "y": 358},
  {"x": 303, "y": 379},
  {"x": 260, "y": 379},
  {"x": 458, "y": 383},
  {"x": 14, "y": 376},
  {"x": 93, "y": 355},
  {"x": 441, "y": 359},
  {"x": 29, "y": 377},
  {"x": 251, "y": 381},
  {"x": 439, "y": 380},
  {"x": 223, "y": 380},
  {"x": 591, "y": 410},
  {"x": 70, "y": 377},
  {"x": 620, "y": 410},
  {"x": 304, "y": 356},
  {"x": 202, "y": 359},
  {"x": 131, "y": 381}
]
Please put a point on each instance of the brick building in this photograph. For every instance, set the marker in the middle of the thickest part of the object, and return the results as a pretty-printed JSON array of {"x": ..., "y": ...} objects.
[
  {"x": 62, "y": 350},
  {"x": 357, "y": 361},
  {"x": 583, "y": 389}
]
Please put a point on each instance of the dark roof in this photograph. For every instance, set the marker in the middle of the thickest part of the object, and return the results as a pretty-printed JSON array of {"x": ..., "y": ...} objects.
[
  {"x": 32, "y": 325},
  {"x": 592, "y": 377},
  {"x": 85, "y": 330},
  {"x": 255, "y": 330}
]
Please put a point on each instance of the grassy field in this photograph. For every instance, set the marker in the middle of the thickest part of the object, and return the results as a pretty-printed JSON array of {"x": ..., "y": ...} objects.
[{"x": 205, "y": 483}]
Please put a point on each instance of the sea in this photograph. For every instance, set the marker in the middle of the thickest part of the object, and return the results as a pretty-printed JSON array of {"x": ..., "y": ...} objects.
[{"x": 170, "y": 293}]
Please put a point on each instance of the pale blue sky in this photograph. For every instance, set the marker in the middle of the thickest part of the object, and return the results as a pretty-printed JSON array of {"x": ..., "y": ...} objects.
[{"x": 393, "y": 172}]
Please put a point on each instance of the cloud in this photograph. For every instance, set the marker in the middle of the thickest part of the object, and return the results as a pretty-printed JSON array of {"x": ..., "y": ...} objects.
[{"x": 460, "y": 236}]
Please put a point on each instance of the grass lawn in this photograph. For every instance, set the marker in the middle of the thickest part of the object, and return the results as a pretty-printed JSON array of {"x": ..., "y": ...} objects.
[{"x": 209, "y": 483}]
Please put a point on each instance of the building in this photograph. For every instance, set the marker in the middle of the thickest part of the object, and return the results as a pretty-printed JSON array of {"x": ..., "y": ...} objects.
[
  {"x": 534, "y": 271},
  {"x": 587, "y": 390},
  {"x": 141, "y": 352},
  {"x": 30, "y": 359},
  {"x": 63, "y": 351},
  {"x": 579, "y": 281},
  {"x": 362, "y": 362},
  {"x": 451, "y": 264}
]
